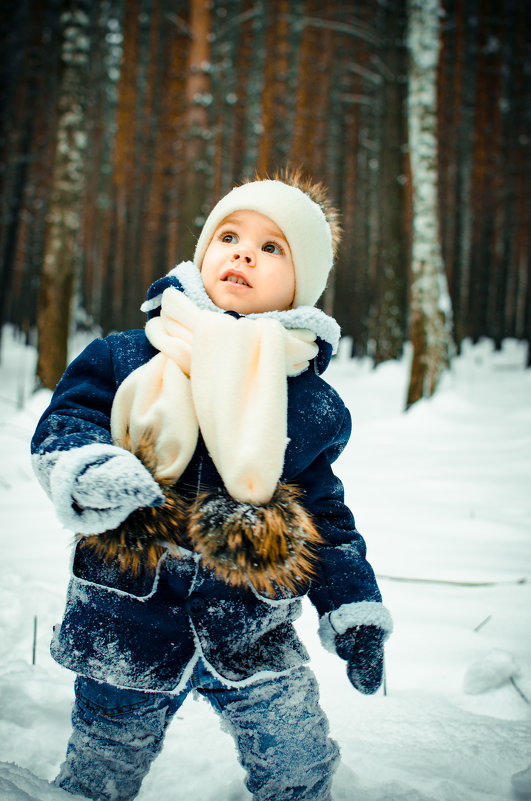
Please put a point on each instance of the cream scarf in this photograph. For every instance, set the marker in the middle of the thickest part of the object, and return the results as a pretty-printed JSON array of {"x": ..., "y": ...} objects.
[{"x": 223, "y": 376}]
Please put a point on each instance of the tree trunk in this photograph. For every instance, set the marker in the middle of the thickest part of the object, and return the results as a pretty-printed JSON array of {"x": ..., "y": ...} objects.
[
  {"x": 125, "y": 159},
  {"x": 429, "y": 300},
  {"x": 160, "y": 239},
  {"x": 388, "y": 318},
  {"x": 62, "y": 238},
  {"x": 199, "y": 98},
  {"x": 99, "y": 124},
  {"x": 271, "y": 151}
]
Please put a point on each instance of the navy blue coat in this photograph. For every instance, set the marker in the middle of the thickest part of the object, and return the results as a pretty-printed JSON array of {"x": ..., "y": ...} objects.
[{"x": 146, "y": 632}]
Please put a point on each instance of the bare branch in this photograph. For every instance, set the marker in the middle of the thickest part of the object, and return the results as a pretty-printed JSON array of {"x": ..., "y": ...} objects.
[{"x": 358, "y": 31}]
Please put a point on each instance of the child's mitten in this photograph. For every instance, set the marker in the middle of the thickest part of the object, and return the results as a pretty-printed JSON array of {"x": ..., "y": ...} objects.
[
  {"x": 115, "y": 486},
  {"x": 362, "y": 648},
  {"x": 96, "y": 487}
]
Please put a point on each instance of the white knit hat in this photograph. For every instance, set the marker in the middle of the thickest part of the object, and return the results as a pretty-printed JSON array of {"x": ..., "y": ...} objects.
[{"x": 301, "y": 220}]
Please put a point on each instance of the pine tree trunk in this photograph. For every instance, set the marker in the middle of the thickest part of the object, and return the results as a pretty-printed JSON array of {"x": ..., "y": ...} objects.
[
  {"x": 429, "y": 299},
  {"x": 160, "y": 236},
  {"x": 199, "y": 98},
  {"x": 125, "y": 159},
  {"x": 62, "y": 238},
  {"x": 388, "y": 319},
  {"x": 272, "y": 147}
]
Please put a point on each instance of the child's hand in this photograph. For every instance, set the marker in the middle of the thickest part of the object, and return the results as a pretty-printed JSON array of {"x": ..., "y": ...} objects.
[
  {"x": 114, "y": 487},
  {"x": 362, "y": 648}
]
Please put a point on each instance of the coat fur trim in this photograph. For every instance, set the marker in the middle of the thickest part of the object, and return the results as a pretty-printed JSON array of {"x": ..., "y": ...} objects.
[{"x": 272, "y": 546}]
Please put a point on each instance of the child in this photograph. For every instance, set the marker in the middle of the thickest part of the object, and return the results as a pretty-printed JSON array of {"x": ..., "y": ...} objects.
[{"x": 193, "y": 461}]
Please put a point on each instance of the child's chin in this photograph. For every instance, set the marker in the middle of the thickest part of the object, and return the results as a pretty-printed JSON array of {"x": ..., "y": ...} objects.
[{"x": 231, "y": 303}]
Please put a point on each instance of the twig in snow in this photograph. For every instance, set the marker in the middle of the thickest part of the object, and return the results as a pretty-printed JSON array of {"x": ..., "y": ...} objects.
[
  {"x": 483, "y": 623},
  {"x": 453, "y": 582},
  {"x": 34, "y": 639},
  {"x": 21, "y": 380},
  {"x": 518, "y": 690}
]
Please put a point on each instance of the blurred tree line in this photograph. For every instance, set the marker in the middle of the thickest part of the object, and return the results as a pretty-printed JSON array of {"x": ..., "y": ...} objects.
[{"x": 123, "y": 121}]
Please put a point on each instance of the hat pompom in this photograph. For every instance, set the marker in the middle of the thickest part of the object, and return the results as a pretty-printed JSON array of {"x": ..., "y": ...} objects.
[
  {"x": 271, "y": 546},
  {"x": 317, "y": 192}
]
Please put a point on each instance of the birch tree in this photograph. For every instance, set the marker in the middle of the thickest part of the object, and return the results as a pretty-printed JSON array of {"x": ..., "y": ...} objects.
[
  {"x": 430, "y": 307},
  {"x": 62, "y": 245}
]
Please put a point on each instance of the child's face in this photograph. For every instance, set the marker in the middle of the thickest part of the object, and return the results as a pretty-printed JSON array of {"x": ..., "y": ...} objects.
[{"x": 247, "y": 267}]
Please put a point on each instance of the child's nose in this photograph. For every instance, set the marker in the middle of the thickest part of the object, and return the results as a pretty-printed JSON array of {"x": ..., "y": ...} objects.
[{"x": 245, "y": 255}]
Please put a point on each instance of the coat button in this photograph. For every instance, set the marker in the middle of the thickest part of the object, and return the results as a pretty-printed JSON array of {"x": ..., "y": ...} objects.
[{"x": 195, "y": 605}]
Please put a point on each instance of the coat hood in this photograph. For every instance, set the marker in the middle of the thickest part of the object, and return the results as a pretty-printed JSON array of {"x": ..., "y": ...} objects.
[{"x": 186, "y": 278}]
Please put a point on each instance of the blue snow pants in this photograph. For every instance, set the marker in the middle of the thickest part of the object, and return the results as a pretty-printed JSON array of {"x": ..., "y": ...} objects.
[{"x": 279, "y": 729}]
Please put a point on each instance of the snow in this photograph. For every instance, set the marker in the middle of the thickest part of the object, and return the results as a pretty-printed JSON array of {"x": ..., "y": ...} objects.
[
  {"x": 521, "y": 782},
  {"x": 441, "y": 494},
  {"x": 487, "y": 672}
]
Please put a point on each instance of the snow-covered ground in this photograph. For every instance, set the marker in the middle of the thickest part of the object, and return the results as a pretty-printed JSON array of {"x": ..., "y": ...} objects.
[{"x": 442, "y": 495}]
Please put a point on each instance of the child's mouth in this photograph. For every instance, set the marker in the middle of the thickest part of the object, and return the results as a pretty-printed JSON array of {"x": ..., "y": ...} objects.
[{"x": 236, "y": 279}]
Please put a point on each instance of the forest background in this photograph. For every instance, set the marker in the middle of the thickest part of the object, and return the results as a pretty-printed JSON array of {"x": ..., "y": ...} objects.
[{"x": 123, "y": 121}]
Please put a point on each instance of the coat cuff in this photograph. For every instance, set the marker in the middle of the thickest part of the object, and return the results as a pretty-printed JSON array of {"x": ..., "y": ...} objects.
[{"x": 348, "y": 616}]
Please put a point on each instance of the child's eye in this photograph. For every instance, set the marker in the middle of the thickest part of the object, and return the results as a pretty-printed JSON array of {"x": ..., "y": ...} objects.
[
  {"x": 272, "y": 247},
  {"x": 229, "y": 238}
]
